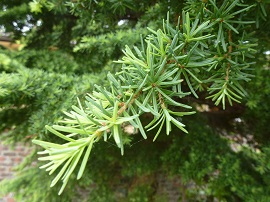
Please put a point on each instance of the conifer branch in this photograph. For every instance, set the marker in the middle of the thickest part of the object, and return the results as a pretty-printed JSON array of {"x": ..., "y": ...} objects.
[{"x": 150, "y": 78}]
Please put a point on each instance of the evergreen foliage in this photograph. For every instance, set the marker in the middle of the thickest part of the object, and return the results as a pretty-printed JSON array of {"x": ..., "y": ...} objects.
[{"x": 202, "y": 54}]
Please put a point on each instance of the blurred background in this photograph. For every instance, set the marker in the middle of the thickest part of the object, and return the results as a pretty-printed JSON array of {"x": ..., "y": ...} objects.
[{"x": 53, "y": 51}]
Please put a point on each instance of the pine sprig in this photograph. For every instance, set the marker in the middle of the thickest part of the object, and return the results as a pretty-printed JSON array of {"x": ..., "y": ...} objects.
[
  {"x": 151, "y": 77},
  {"x": 142, "y": 86}
]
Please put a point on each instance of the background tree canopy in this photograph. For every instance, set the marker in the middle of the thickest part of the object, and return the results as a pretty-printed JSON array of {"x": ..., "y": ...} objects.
[{"x": 210, "y": 57}]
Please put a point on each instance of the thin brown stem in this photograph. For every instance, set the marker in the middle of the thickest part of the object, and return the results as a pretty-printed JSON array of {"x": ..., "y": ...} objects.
[
  {"x": 125, "y": 106},
  {"x": 162, "y": 104},
  {"x": 229, "y": 54}
]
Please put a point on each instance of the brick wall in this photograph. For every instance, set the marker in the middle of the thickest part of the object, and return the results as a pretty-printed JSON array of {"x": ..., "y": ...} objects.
[
  {"x": 170, "y": 187},
  {"x": 9, "y": 158}
]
